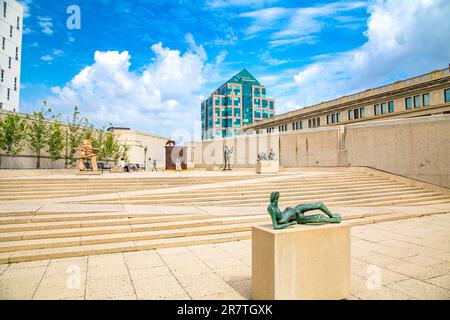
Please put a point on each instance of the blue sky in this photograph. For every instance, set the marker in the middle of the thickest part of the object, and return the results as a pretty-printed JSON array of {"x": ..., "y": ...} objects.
[{"x": 147, "y": 64}]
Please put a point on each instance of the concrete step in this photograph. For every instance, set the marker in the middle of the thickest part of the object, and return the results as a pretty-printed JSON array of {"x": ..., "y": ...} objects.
[
  {"x": 286, "y": 194},
  {"x": 82, "y": 230},
  {"x": 269, "y": 188},
  {"x": 10, "y": 246},
  {"x": 78, "y": 251}
]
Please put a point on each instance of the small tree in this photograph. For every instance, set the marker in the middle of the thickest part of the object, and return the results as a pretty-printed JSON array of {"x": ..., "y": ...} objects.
[
  {"x": 112, "y": 150},
  {"x": 37, "y": 134},
  {"x": 13, "y": 133},
  {"x": 56, "y": 140},
  {"x": 74, "y": 135}
]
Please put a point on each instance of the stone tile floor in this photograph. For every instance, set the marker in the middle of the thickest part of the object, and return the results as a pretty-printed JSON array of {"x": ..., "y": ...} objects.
[{"x": 406, "y": 259}]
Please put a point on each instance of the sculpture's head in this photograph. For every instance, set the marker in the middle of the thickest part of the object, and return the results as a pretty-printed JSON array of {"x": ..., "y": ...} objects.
[{"x": 274, "y": 196}]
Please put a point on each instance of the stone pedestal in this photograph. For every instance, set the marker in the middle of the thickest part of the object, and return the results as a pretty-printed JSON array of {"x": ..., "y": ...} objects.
[
  {"x": 267, "y": 166},
  {"x": 303, "y": 262}
]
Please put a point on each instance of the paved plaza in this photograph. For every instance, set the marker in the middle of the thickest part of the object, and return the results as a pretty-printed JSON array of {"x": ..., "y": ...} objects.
[{"x": 187, "y": 235}]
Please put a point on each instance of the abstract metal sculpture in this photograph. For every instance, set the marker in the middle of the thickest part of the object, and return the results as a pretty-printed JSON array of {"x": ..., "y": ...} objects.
[
  {"x": 262, "y": 156},
  {"x": 292, "y": 216},
  {"x": 271, "y": 155}
]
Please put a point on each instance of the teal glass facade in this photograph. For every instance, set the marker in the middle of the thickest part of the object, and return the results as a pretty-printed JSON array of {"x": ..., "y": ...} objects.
[{"x": 239, "y": 101}]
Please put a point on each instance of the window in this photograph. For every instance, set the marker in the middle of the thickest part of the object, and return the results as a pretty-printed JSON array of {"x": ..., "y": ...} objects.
[
  {"x": 15, "y": 83},
  {"x": 237, "y": 122},
  {"x": 318, "y": 122},
  {"x": 376, "y": 109},
  {"x": 350, "y": 114},
  {"x": 237, "y": 102},
  {"x": 257, "y": 92},
  {"x": 217, "y": 122},
  {"x": 8, "y": 93},
  {"x": 265, "y": 114},
  {"x": 4, "y": 9},
  {"x": 217, "y": 101},
  {"x": 18, "y": 23},
  {"x": 237, "y": 90},
  {"x": 338, "y": 117},
  {"x": 10, "y": 31},
  {"x": 391, "y": 106},
  {"x": 408, "y": 103},
  {"x": 271, "y": 104},
  {"x": 329, "y": 119},
  {"x": 226, "y": 112},
  {"x": 314, "y": 122},
  {"x": 217, "y": 112},
  {"x": 264, "y": 103},
  {"x": 417, "y": 102},
  {"x": 227, "y": 123},
  {"x": 9, "y": 63},
  {"x": 17, "y": 53},
  {"x": 237, "y": 112},
  {"x": 263, "y": 92},
  {"x": 257, "y": 102},
  {"x": 447, "y": 95},
  {"x": 257, "y": 114},
  {"x": 356, "y": 112},
  {"x": 362, "y": 112},
  {"x": 229, "y": 89},
  {"x": 2, "y": 74},
  {"x": 383, "y": 108},
  {"x": 3, "y": 43},
  {"x": 426, "y": 99},
  {"x": 309, "y": 123}
]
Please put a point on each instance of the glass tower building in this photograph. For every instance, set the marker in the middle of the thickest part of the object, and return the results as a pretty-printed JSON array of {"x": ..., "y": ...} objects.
[{"x": 239, "y": 101}]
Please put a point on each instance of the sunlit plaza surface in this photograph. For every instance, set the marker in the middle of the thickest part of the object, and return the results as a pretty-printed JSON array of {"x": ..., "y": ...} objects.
[{"x": 187, "y": 235}]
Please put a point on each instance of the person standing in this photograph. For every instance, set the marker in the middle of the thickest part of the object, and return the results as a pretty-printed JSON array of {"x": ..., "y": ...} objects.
[{"x": 154, "y": 165}]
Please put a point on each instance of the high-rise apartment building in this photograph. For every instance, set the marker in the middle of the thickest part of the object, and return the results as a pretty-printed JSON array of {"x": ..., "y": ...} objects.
[
  {"x": 11, "y": 16},
  {"x": 239, "y": 101}
]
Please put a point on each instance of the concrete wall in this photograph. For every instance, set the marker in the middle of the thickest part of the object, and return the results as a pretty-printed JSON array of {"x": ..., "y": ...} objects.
[{"x": 417, "y": 148}]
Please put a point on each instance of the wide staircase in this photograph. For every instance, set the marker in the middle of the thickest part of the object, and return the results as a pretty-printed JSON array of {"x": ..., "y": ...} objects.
[{"x": 28, "y": 236}]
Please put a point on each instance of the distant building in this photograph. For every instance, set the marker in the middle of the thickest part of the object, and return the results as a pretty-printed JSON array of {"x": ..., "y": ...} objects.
[
  {"x": 424, "y": 95},
  {"x": 11, "y": 16},
  {"x": 239, "y": 101}
]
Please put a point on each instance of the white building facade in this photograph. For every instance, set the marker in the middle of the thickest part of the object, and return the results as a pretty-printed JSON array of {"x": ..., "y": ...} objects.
[{"x": 11, "y": 22}]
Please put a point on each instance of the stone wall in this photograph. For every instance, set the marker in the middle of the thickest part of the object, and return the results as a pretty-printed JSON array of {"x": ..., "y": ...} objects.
[{"x": 417, "y": 148}]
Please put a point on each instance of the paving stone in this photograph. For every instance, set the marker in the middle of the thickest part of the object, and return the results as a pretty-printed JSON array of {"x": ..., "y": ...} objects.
[
  {"x": 423, "y": 260},
  {"x": 235, "y": 273},
  {"x": 158, "y": 288},
  {"x": 419, "y": 272},
  {"x": 143, "y": 273},
  {"x": 206, "y": 285},
  {"x": 144, "y": 261},
  {"x": 441, "y": 281},
  {"x": 111, "y": 287},
  {"x": 420, "y": 289},
  {"x": 360, "y": 290},
  {"x": 58, "y": 288},
  {"x": 244, "y": 287},
  {"x": 20, "y": 286},
  {"x": 223, "y": 296}
]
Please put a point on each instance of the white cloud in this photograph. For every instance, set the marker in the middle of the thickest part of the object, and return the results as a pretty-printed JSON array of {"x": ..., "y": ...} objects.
[
  {"x": 26, "y": 7},
  {"x": 294, "y": 25},
  {"x": 163, "y": 97},
  {"x": 47, "y": 58},
  {"x": 404, "y": 38},
  {"x": 46, "y": 24},
  {"x": 50, "y": 57},
  {"x": 238, "y": 3}
]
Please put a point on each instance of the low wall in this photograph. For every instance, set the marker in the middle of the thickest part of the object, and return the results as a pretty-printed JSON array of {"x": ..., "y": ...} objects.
[{"x": 417, "y": 148}]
